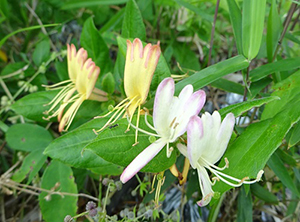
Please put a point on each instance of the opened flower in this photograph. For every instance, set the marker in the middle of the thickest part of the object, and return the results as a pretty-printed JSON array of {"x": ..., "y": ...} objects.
[
  {"x": 207, "y": 140},
  {"x": 139, "y": 68},
  {"x": 83, "y": 75},
  {"x": 170, "y": 117}
]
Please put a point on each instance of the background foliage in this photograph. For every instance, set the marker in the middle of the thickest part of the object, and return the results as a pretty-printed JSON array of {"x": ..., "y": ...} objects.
[{"x": 241, "y": 49}]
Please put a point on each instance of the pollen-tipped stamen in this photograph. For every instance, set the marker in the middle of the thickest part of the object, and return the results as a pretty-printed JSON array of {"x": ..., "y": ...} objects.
[{"x": 220, "y": 175}]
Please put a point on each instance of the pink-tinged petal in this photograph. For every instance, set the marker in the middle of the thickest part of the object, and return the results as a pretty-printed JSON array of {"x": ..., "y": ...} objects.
[
  {"x": 142, "y": 159},
  {"x": 139, "y": 68},
  {"x": 186, "y": 92},
  {"x": 205, "y": 186},
  {"x": 194, "y": 135},
  {"x": 189, "y": 108},
  {"x": 162, "y": 104}
]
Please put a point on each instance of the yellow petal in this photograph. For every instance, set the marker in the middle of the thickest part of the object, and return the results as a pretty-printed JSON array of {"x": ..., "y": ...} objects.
[
  {"x": 75, "y": 61},
  {"x": 139, "y": 68}
]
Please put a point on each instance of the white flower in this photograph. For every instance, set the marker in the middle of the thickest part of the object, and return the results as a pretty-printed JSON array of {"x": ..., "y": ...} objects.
[
  {"x": 170, "y": 117},
  {"x": 207, "y": 140}
]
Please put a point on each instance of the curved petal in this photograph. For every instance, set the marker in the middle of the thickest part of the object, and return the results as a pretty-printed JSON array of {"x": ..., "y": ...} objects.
[
  {"x": 162, "y": 103},
  {"x": 183, "y": 149},
  {"x": 139, "y": 68},
  {"x": 142, "y": 159},
  {"x": 195, "y": 148},
  {"x": 224, "y": 135},
  {"x": 205, "y": 186},
  {"x": 194, "y": 103}
]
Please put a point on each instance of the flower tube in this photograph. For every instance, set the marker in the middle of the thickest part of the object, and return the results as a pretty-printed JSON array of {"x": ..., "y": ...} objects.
[{"x": 83, "y": 75}]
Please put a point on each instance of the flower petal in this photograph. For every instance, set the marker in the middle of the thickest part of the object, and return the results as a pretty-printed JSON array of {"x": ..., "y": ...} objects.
[
  {"x": 142, "y": 159},
  {"x": 139, "y": 68},
  {"x": 183, "y": 149},
  {"x": 162, "y": 104},
  {"x": 205, "y": 186},
  {"x": 194, "y": 103},
  {"x": 194, "y": 145},
  {"x": 216, "y": 135}
]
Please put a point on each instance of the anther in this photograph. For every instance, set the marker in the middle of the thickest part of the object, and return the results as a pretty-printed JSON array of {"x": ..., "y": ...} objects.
[{"x": 172, "y": 122}]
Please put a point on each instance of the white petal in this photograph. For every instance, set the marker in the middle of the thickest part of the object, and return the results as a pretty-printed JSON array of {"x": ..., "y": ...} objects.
[
  {"x": 183, "y": 149},
  {"x": 205, "y": 186},
  {"x": 224, "y": 135},
  {"x": 194, "y": 134},
  {"x": 188, "y": 108},
  {"x": 142, "y": 159},
  {"x": 163, "y": 101}
]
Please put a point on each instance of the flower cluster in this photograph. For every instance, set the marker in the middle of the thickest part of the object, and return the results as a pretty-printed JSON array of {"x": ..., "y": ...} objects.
[{"x": 173, "y": 116}]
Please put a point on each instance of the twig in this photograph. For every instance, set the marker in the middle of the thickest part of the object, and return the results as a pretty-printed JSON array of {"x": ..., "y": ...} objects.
[
  {"x": 246, "y": 83},
  {"x": 212, "y": 33},
  {"x": 6, "y": 89},
  {"x": 2, "y": 208},
  {"x": 16, "y": 72},
  {"x": 285, "y": 24},
  {"x": 33, "y": 190},
  {"x": 42, "y": 28}
]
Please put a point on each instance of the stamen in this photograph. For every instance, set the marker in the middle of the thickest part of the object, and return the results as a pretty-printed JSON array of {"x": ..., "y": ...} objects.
[
  {"x": 57, "y": 84},
  {"x": 176, "y": 124},
  {"x": 169, "y": 150},
  {"x": 141, "y": 130},
  {"x": 240, "y": 181},
  {"x": 216, "y": 167},
  {"x": 137, "y": 124},
  {"x": 147, "y": 123},
  {"x": 172, "y": 122}
]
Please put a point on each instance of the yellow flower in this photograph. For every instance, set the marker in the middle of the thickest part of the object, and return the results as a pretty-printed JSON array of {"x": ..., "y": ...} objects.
[
  {"x": 83, "y": 75},
  {"x": 140, "y": 65}
]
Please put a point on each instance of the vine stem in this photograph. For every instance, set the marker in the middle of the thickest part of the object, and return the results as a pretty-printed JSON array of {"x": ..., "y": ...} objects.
[
  {"x": 285, "y": 28},
  {"x": 213, "y": 32}
]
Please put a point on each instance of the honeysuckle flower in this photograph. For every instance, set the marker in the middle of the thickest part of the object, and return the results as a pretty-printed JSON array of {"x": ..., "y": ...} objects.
[
  {"x": 140, "y": 65},
  {"x": 170, "y": 118},
  {"x": 207, "y": 140},
  {"x": 83, "y": 75}
]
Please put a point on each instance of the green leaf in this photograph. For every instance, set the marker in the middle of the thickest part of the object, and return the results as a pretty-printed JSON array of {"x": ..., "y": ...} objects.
[
  {"x": 287, "y": 90},
  {"x": 239, "y": 108},
  {"x": 72, "y": 4},
  {"x": 96, "y": 47},
  {"x": 228, "y": 86},
  {"x": 133, "y": 25},
  {"x": 273, "y": 30},
  {"x": 244, "y": 213},
  {"x": 213, "y": 73},
  {"x": 31, "y": 165},
  {"x": 263, "y": 194},
  {"x": 282, "y": 173},
  {"x": 282, "y": 65},
  {"x": 258, "y": 86},
  {"x": 114, "y": 21},
  {"x": 252, "y": 26},
  {"x": 68, "y": 148},
  {"x": 108, "y": 83},
  {"x": 236, "y": 21},
  {"x": 196, "y": 10},
  {"x": 251, "y": 150},
  {"x": 28, "y": 137},
  {"x": 115, "y": 146},
  {"x": 295, "y": 137},
  {"x": 33, "y": 106},
  {"x": 185, "y": 56},
  {"x": 41, "y": 52},
  {"x": 56, "y": 207},
  {"x": 3, "y": 40}
]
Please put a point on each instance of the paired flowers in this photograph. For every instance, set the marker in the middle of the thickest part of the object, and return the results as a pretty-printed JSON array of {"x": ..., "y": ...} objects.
[
  {"x": 83, "y": 75},
  {"x": 207, "y": 137}
]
